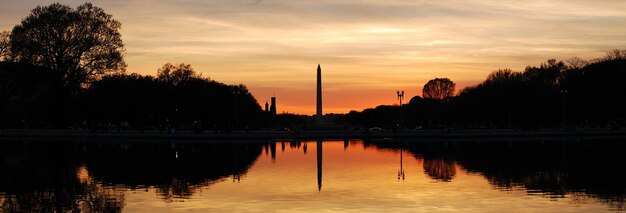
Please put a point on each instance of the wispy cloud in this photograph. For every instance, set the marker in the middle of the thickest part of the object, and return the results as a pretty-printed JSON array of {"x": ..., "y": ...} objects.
[{"x": 366, "y": 47}]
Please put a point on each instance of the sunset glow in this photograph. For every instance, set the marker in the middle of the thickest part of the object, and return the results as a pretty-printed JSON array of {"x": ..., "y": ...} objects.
[
  {"x": 364, "y": 179},
  {"x": 367, "y": 49}
]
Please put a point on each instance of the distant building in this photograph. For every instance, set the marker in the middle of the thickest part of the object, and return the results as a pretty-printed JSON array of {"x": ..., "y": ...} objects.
[
  {"x": 267, "y": 109},
  {"x": 273, "y": 106}
]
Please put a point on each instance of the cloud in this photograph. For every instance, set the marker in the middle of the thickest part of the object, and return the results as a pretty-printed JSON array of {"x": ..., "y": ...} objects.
[{"x": 365, "y": 45}]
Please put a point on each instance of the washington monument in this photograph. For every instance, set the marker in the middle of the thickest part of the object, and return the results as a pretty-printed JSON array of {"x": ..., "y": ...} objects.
[{"x": 319, "y": 93}]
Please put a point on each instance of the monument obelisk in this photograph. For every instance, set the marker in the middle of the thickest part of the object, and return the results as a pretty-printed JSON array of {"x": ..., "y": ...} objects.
[{"x": 319, "y": 94}]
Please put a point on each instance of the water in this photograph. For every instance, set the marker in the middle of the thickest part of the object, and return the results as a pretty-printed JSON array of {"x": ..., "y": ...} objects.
[{"x": 346, "y": 176}]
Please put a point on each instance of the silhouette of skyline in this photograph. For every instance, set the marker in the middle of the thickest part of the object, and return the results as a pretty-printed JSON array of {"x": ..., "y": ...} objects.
[
  {"x": 552, "y": 94},
  {"x": 273, "y": 105},
  {"x": 86, "y": 93},
  {"x": 239, "y": 42},
  {"x": 551, "y": 128}
]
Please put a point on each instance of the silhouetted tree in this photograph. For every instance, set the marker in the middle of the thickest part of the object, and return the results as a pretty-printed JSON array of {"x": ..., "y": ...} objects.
[
  {"x": 415, "y": 112},
  {"x": 596, "y": 93},
  {"x": 143, "y": 99},
  {"x": 576, "y": 63},
  {"x": 503, "y": 76},
  {"x": 440, "y": 169},
  {"x": 439, "y": 89},
  {"x": 488, "y": 103},
  {"x": 546, "y": 75},
  {"x": 615, "y": 54},
  {"x": 178, "y": 97},
  {"x": 176, "y": 74},
  {"x": 553, "y": 94},
  {"x": 76, "y": 44}
]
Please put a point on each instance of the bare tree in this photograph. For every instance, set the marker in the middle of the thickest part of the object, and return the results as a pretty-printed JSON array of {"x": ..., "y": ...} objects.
[
  {"x": 503, "y": 76},
  {"x": 439, "y": 89},
  {"x": 176, "y": 74},
  {"x": 76, "y": 44},
  {"x": 576, "y": 63},
  {"x": 615, "y": 55}
]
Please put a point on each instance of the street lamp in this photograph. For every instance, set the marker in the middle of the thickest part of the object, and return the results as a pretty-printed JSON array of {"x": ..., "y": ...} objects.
[
  {"x": 401, "y": 171},
  {"x": 400, "y": 96}
]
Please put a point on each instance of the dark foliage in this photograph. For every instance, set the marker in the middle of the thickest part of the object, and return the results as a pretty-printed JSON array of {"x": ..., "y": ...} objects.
[
  {"x": 77, "y": 45},
  {"x": 164, "y": 103},
  {"x": 26, "y": 94},
  {"x": 439, "y": 89},
  {"x": 5, "y": 45},
  {"x": 551, "y": 95},
  {"x": 125, "y": 101},
  {"x": 554, "y": 169},
  {"x": 71, "y": 176},
  {"x": 554, "y": 94},
  {"x": 73, "y": 46}
]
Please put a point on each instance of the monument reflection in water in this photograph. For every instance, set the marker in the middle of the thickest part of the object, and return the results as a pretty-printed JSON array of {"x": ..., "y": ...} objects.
[{"x": 88, "y": 176}]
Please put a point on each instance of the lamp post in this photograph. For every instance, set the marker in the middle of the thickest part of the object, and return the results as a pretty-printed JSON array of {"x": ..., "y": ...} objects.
[
  {"x": 401, "y": 171},
  {"x": 400, "y": 96}
]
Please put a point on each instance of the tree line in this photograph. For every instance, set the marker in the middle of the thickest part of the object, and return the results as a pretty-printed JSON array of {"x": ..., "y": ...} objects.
[
  {"x": 63, "y": 67},
  {"x": 555, "y": 94},
  {"x": 176, "y": 98}
]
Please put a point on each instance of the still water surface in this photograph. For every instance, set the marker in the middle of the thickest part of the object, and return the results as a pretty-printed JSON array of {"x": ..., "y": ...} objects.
[{"x": 312, "y": 176}]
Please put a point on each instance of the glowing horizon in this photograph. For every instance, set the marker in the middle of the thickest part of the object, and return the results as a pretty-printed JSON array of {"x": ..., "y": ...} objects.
[{"x": 367, "y": 49}]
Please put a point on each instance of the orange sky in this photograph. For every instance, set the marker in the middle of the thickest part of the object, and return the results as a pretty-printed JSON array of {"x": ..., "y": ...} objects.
[{"x": 367, "y": 49}]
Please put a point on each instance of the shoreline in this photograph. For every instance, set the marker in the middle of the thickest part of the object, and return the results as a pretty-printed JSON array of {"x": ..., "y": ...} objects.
[{"x": 419, "y": 135}]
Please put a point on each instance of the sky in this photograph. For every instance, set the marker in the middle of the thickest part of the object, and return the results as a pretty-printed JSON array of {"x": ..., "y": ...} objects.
[{"x": 368, "y": 49}]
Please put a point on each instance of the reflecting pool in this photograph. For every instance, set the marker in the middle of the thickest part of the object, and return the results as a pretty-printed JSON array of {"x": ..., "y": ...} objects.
[{"x": 312, "y": 176}]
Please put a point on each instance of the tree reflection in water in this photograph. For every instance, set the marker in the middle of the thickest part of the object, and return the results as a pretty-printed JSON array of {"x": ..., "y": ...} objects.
[
  {"x": 441, "y": 169},
  {"x": 44, "y": 178},
  {"x": 51, "y": 176},
  {"x": 62, "y": 176},
  {"x": 101, "y": 198},
  {"x": 176, "y": 170},
  {"x": 554, "y": 169}
]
